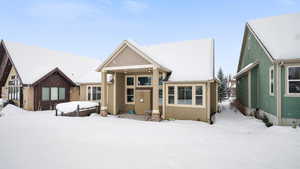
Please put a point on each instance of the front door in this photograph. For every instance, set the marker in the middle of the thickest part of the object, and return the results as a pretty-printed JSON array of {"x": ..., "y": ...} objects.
[{"x": 142, "y": 101}]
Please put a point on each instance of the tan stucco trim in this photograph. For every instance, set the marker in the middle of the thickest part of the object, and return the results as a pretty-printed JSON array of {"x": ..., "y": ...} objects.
[
  {"x": 208, "y": 94},
  {"x": 104, "y": 99}
]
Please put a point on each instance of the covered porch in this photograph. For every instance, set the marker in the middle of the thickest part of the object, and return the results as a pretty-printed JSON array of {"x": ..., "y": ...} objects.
[{"x": 137, "y": 91}]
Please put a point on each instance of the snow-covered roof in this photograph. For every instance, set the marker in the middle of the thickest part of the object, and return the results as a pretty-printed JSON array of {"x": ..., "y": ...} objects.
[
  {"x": 188, "y": 60},
  {"x": 279, "y": 34},
  {"x": 32, "y": 63}
]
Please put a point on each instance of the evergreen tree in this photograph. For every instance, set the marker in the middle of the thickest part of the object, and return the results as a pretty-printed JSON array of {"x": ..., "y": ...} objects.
[{"x": 222, "y": 86}]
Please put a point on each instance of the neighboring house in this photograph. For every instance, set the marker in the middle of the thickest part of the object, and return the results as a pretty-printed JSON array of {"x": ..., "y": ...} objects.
[
  {"x": 232, "y": 88},
  {"x": 37, "y": 79},
  {"x": 172, "y": 80},
  {"x": 268, "y": 77}
]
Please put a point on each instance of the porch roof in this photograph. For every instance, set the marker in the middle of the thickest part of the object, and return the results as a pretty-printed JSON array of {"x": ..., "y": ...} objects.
[{"x": 246, "y": 69}]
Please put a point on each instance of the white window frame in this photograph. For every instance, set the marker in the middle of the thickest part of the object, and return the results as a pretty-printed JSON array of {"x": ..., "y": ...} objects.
[
  {"x": 87, "y": 93},
  {"x": 193, "y": 95},
  {"x": 271, "y": 81},
  {"x": 137, "y": 80},
  {"x": 287, "y": 91},
  {"x": 131, "y": 87},
  {"x": 199, "y": 95}
]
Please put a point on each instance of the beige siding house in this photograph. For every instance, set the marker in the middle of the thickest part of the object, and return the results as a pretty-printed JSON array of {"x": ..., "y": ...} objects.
[{"x": 173, "y": 80}]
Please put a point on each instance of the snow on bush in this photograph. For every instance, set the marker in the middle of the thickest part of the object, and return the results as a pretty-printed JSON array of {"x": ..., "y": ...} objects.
[{"x": 69, "y": 107}]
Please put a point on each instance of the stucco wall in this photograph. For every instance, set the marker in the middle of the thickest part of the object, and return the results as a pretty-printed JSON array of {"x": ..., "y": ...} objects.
[
  {"x": 186, "y": 113},
  {"x": 28, "y": 98},
  {"x": 75, "y": 93},
  {"x": 190, "y": 112},
  {"x": 128, "y": 57}
]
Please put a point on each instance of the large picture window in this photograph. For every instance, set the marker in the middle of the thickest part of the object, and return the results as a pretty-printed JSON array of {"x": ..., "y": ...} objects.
[
  {"x": 53, "y": 93},
  {"x": 293, "y": 84},
  {"x": 271, "y": 81},
  {"x": 184, "y": 95}
]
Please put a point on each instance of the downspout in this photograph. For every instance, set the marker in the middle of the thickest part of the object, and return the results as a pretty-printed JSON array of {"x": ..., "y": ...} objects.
[
  {"x": 278, "y": 92},
  {"x": 249, "y": 91}
]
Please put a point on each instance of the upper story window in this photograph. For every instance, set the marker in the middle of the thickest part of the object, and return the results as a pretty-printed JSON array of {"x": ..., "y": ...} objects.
[
  {"x": 130, "y": 81},
  {"x": 293, "y": 80},
  {"x": 271, "y": 80},
  {"x": 144, "y": 80}
]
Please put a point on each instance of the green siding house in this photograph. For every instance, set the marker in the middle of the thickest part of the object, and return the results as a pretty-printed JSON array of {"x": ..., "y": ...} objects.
[{"x": 268, "y": 74}]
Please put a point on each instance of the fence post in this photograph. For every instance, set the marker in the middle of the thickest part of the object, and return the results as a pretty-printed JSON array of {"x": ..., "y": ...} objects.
[{"x": 78, "y": 110}]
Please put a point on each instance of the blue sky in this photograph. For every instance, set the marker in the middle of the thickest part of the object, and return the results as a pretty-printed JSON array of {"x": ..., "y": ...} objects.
[{"x": 95, "y": 27}]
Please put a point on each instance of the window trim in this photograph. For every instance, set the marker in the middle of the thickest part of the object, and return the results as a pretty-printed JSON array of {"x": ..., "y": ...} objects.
[
  {"x": 87, "y": 93},
  {"x": 193, "y": 95},
  {"x": 199, "y": 95},
  {"x": 271, "y": 81},
  {"x": 287, "y": 91},
  {"x": 137, "y": 80},
  {"x": 131, "y": 87}
]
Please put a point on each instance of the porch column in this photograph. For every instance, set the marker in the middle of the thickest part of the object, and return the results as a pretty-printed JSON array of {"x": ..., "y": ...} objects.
[
  {"x": 155, "y": 93},
  {"x": 103, "y": 111}
]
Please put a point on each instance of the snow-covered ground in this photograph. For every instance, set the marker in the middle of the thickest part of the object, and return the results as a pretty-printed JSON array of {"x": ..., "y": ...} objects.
[{"x": 35, "y": 140}]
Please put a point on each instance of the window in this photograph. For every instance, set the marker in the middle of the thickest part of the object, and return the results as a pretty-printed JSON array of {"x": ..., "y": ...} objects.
[
  {"x": 98, "y": 93},
  {"x": 54, "y": 93},
  {"x": 160, "y": 96},
  {"x": 199, "y": 95},
  {"x": 45, "y": 94},
  {"x": 271, "y": 80},
  {"x": 184, "y": 95},
  {"x": 129, "y": 95},
  {"x": 89, "y": 93},
  {"x": 129, "y": 89},
  {"x": 62, "y": 93},
  {"x": 144, "y": 81},
  {"x": 293, "y": 80},
  {"x": 171, "y": 95},
  {"x": 94, "y": 93},
  {"x": 130, "y": 81}
]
